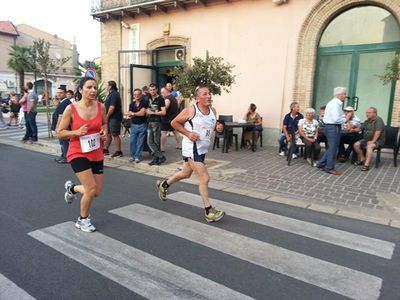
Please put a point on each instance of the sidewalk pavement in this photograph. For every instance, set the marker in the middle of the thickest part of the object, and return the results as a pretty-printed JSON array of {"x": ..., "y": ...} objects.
[{"x": 373, "y": 196}]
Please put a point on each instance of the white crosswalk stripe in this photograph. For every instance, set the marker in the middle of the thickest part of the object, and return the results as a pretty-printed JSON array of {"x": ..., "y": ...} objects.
[
  {"x": 9, "y": 290},
  {"x": 322, "y": 233},
  {"x": 15, "y": 133},
  {"x": 155, "y": 278},
  {"x": 146, "y": 275},
  {"x": 339, "y": 279}
]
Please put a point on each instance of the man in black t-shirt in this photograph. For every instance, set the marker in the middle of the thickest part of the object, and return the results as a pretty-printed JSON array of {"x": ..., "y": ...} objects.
[
  {"x": 155, "y": 111},
  {"x": 137, "y": 114},
  {"x": 172, "y": 110},
  {"x": 114, "y": 118}
]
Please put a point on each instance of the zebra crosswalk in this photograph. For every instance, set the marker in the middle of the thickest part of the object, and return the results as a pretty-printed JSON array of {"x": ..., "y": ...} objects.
[
  {"x": 155, "y": 277},
  {"x": 15, "y": 133},
  {"x": 9, "y": 290}
]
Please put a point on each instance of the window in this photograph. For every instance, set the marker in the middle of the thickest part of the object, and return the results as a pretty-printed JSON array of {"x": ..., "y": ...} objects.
[{"x": 361, "y": 25}]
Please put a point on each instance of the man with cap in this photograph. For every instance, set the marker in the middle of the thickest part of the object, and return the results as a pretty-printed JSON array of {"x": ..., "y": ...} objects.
[
  {"x": 351, "y": 130},
  {"x": 64, "y": 102},
  {"x": 333, "y": 119}
]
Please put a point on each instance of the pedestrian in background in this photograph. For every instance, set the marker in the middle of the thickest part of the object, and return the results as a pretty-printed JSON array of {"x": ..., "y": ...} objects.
[
  {"x": 114, "y": 119},
  {"x": 14, "y": 108},
  {"x": 172, "y": 110},
  {"x": 333, "y": 119},
  {"x": 71, "y": 96},
  {"x": 30, "y": 117},
  {"x": 64, "y": 102},
  {"x": 23, "y": 110},
  {"x": 137, "y": 114},
  {"x": 154, "y": 113},
  {"x": 88, "y": 129}
]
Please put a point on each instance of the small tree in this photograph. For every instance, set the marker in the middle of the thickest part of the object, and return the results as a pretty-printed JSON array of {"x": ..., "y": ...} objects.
[
  {"x": 211, "y": 72},
  {"x": 20, "y": 61},
  {"x": 392, "y": 71},
  {"x": 45, "y": 65}
]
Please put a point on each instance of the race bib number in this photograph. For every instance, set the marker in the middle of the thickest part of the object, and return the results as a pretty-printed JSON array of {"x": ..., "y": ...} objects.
[
  {"x": 205, "y": 133},
  {"x": 90, "y": 142}
]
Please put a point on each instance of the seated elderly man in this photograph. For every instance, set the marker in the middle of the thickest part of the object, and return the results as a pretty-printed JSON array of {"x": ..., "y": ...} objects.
[
  {"x": 351, "y": 130},
  {"x": 308, "y": 130},
  {"x": 374, "y": 136},
  {"x": 290, "y": 123}
]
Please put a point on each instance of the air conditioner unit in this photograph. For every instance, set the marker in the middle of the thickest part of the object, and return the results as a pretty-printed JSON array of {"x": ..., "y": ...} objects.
[
  {"x": 180, "y": 54},
  {"x": 10, "y": 84}
]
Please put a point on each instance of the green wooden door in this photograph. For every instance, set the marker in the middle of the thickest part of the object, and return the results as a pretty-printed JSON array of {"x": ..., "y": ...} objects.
[
  {"x": 353, "y": 51},
  {"x": 357, "y": 68}
]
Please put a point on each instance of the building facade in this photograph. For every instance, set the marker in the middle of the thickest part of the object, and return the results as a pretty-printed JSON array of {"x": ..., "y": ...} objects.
[
  {"x": 24, "y": 35},
  {"x": 283, "y": 50}
]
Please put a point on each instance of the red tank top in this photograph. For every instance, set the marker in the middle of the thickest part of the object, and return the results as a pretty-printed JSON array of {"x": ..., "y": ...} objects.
[{"x": 94, "y": 126}]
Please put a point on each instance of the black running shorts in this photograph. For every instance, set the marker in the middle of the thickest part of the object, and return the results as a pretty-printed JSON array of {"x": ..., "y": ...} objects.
[{"x": 80, "y": 164}]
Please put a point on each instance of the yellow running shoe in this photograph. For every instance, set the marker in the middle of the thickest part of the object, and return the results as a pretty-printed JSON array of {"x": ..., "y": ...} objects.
[
  {"x": 214, "y": 215},
  {"x": 162, "y": 191}
]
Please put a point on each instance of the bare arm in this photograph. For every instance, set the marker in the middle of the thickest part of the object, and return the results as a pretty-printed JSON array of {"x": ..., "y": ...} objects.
[
  {"x": 104, "y": 125},
  {"x": 376, "y": 136},
  {"x": 179, "y": 121},
  {"x": 140, "y": 113},
  {"x": 110, "y": 111},
  {"x": 62, "y": 128}
]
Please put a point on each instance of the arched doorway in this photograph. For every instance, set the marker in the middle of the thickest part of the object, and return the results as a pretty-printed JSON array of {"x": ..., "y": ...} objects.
[{"x": 353, "y": 51}]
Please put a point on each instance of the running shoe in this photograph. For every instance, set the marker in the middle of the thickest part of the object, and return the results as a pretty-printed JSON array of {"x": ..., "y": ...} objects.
[
  {"x": 117, "y": 154},
  {"x": 214, "y": 215},
  {"x": 85, "y": 225},
  {"x": 162, "y": 191},
  {"x": 69, "y": 197}
]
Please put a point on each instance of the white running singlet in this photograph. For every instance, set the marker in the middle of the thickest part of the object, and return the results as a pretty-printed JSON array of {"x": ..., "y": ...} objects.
[{"x": 202, "y": 124}]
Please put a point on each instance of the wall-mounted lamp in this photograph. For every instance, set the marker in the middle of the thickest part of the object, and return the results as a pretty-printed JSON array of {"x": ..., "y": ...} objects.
[
  {"x": 278, "y": 2},
  {"x": 125, "y": 25}
]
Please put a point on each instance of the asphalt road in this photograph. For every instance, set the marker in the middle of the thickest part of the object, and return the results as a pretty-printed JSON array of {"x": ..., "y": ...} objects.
[{"x": 145, "y": 248}]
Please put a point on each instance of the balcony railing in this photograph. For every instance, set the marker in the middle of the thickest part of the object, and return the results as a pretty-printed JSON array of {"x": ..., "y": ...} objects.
[{"x": 100, "y": 5}]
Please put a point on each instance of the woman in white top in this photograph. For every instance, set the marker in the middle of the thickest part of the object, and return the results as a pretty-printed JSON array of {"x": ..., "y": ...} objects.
[
  {"x": 196, "y": 124},
  {"x": 308, "y": 130}
]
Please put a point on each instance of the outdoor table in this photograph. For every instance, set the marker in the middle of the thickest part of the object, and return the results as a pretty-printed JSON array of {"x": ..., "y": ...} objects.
[{"x": 231, "y": 125}]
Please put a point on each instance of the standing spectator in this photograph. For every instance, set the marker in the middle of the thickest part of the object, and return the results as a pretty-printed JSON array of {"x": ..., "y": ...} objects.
[
  {"x": 71, "y": 96},
  {"x": 350, "y": 133},
  {"x": 23, "y": 110},
  {"x": 333, "y": 119},
  {"x": 30, "y": 118},
  {"x": 145, "y": 93},
  {"x": 172, "y": 110},
  {"x": 137, "y": 114},
  {"x": 290, "y": 125},
  {"x": 64, "y": 102},
  {"x": 171, "y": 90},
  {"x": 114, "y": 119},
  {"x": 3, "y": 124},
  {"x": 154, "y": 112},
  {"x": 321, "y": 125},
  {"x": 14, "y": 109},
  {"x": 374, "y": 136},
  {"x": 308, "y": 130}
]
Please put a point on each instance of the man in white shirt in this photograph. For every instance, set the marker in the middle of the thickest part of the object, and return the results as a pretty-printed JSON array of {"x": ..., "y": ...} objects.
[{"x": 333, "y": 119}]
